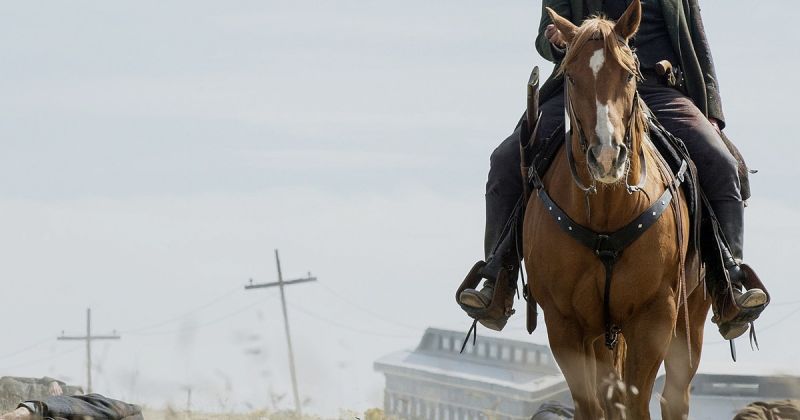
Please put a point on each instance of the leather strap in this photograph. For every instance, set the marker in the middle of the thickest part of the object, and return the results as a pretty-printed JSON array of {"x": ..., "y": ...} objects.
[{"x": 609, "y": 246}]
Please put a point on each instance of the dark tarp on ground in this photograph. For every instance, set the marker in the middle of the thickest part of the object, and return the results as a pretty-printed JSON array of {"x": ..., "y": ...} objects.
[{"x": 92, "y": 406}]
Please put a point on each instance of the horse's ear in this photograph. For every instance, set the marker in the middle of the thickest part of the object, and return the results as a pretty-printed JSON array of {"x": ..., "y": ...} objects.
[
  {"x": 567, "y": 28},
  {"x": 628, "y": 23}
]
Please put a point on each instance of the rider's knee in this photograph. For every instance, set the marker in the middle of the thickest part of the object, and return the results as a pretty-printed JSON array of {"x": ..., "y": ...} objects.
[
  {"x": 724, "y": 163},
  {"x": 722, "y": 177},
  {"x": 505, "y": 156}
]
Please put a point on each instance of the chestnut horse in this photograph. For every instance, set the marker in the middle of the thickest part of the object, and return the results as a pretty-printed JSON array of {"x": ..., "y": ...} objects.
[{"x": 652, "y": 300}]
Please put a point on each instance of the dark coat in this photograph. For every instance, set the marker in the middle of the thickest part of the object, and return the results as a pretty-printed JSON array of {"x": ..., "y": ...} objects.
[{"x": 688, "y": 36}]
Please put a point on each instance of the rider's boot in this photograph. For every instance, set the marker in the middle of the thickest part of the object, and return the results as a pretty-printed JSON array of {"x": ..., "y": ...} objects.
[
  {"x": 502, "y": 263},
  {"x": 737, "y": 307}
]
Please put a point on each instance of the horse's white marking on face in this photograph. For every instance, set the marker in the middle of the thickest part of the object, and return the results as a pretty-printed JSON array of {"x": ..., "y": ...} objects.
[
  {"x": 596, "y": 61},
  {"x": 604, "y": 128},
  {"x": 605, "y": 135}
]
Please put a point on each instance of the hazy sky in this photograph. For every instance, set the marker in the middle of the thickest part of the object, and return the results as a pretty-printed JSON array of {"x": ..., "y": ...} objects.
[{"x": 155, "y": 153}]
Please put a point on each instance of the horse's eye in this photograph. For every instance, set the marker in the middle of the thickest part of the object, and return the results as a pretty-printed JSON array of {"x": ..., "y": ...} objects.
[
  {"x": 571, "y": 80},
  {"x": 630, "y": 77}
]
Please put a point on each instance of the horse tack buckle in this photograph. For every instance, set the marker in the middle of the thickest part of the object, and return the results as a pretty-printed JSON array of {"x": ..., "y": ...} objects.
[
  {"x": 612, "y": 336},
  {"x": 602, "y": 250}
]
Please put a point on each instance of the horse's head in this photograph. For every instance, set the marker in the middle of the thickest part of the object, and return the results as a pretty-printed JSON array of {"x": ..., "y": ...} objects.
[{"x": 600, "y": 72}]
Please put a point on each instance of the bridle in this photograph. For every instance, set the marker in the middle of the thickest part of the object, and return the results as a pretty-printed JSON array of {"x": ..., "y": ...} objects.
[{"x": 569, "y": 117}]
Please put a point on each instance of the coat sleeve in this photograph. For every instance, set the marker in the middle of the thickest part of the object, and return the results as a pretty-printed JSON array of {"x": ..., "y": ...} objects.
[
  {"x": 543, "y": 46},
  {"x": 703, "y": 51}
]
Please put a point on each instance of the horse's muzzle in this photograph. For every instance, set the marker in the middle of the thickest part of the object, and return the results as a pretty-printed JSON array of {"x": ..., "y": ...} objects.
[{"x": 607, "y": 163}]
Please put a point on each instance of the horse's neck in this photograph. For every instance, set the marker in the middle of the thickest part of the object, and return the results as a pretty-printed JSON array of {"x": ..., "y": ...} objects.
[{"x": 612, "y": 207}]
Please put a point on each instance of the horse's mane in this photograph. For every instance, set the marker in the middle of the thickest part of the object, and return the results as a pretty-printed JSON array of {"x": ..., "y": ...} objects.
[{"x": 599, "y": 28}]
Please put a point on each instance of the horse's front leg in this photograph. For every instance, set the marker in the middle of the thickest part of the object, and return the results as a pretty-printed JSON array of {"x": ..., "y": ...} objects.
[
  {"x": 575, "y": 356},
  {"x": 608, "y": 377},
  {"x": 647, "y": 335},
  {"x": 675, "y": 401}
]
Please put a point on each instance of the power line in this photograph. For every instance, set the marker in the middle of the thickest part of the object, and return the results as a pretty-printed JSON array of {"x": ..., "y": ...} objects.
[
  {"x": 254, "y": 304},
  {"x": 367, "y": 311},
  {"x": 327, "y": 320},
  {"x": 768, "y": 326},
  {"x": 32, "y": 346},
  {"x": 203, "y": 325},
  {"x": 47, "y": 358},
  {"x": 782, "y": 319},
  {"x": 184, "y": 314}
]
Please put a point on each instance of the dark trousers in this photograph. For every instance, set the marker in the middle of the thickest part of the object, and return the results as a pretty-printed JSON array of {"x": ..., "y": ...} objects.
[{"x": 717, "y": 168}]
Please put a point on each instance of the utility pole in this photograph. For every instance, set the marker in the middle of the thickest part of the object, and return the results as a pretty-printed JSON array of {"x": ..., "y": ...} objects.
[
  {"x": 280, "y": 283},
  {"x": 88, "y": 338},
  {"x": 189, "y": 401}
]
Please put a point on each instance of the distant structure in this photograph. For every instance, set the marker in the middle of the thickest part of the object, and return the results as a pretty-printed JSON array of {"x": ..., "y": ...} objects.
[
  {"x": 496, "y": 378},
  {"x": 503, "y": 379},
  {"x": 715, "y": 397}
]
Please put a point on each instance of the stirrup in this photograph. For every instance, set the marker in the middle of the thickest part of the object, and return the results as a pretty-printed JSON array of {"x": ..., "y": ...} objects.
[
  {"x": 732, "y": 330},
  {"x": 496, "y": 314},
  {"x": 751, "y": 281},
  {"x": 744, "y": 317}
]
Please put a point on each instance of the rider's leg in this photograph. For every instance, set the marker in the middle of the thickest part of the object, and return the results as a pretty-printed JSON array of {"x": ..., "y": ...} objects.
[
  {"x": 718, "y": 172},
  {"x": 503, "y": 190}
]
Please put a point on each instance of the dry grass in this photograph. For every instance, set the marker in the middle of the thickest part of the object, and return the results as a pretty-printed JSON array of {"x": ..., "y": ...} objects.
[{"x": 168, "y": 414}]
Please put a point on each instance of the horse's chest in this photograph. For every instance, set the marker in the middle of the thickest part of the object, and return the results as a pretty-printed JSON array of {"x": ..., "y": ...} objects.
[{"x": 559, "y": 264}]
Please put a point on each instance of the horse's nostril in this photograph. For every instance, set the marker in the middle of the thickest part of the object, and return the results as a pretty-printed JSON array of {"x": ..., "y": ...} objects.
[
  {"x": 622, "y": 155},
  {"x": 623, "y": 151},
  {"x": 592, "y": 157}
]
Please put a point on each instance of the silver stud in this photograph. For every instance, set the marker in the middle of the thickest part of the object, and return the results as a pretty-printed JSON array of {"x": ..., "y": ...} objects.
[
  {"x": 551, "y": 208},
  {"x": 663, "y": 203},
  {"x": 559, "y": 217},
  {"x": 640, "y": 225},
  {"x": 570, "y": 227},
  {"x": 654, "y": 213}
]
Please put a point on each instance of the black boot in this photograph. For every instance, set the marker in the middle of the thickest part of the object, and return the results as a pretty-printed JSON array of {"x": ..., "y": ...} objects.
[
  {"x": 503, "y": 220},
  {"x": 734, "y": 319}
]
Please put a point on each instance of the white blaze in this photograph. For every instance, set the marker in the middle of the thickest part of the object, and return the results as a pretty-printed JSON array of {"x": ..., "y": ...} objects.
[
  {"x": 604, "y": 128},
  {"x": 605, "y": 134},
  {"x": 597, "y": 60}
]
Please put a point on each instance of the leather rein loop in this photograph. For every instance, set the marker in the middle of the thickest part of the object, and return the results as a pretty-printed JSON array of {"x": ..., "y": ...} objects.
[{"x": 569, "y": 116}]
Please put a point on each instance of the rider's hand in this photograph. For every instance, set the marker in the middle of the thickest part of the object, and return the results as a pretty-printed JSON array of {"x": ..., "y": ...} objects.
[
  {"x": 715, "y": 123},
  {"x": 554, "y": 36}
]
